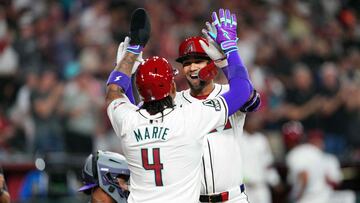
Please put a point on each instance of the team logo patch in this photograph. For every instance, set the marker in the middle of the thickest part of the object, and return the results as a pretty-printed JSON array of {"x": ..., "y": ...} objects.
[
  {"x": 189, "y": 48},
  {"x": 214, "y": 103}
]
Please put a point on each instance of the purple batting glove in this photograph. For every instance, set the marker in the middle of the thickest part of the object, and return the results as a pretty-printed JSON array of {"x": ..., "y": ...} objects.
[
  {"x": 135, "y": 49},
  {"x": 226, "y": 30}
]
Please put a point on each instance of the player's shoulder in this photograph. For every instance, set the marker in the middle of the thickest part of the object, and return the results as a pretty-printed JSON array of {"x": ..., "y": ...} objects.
[
  {"x": 330, "y": 159},
  {"x": 305, "y": 151},
  {"x": 221, "y": 88},
  {"x": 121, "y": 104},
  {"x": 183, "y": 97},
  {"x": 195, "y": 106},
  {"x": 218, "y": 90}
]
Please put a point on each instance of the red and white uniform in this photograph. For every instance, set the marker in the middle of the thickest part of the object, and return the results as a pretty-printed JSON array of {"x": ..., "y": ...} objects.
[
  {"x": 164, "y": 153},
  {"x": 258, "y": 170},
  {"x": 310, "y": 159},
  {"x": 221, "y": 162}
]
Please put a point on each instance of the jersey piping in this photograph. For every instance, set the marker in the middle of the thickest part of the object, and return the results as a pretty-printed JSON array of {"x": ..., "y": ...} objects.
[{"x": 211, "y": 166}]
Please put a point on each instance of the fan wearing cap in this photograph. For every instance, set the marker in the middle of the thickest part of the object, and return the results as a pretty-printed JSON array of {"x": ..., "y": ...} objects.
[{"x": 105, "y": 176}]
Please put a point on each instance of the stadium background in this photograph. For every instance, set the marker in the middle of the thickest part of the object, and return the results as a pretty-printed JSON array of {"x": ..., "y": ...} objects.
[{"x": 54, "y": 48}]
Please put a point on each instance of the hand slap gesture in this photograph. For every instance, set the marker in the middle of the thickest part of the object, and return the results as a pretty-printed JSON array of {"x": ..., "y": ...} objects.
[{"x": 226, "y": 35}]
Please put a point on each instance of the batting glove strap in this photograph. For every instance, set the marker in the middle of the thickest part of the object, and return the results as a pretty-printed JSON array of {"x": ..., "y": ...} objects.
[
  {"x": 135, "y": 49},
  {"x": 120, "y": 79},
  {"x": 229, "y": 46}
]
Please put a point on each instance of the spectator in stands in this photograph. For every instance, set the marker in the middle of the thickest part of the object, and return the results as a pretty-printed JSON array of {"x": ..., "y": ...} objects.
[
  {"x": 21, "y": 111},
  {"x": 6, "y": 131},
  {"x": 333, "y": 119},
  {"x": 301, "y": 101},
  {"x": 82, "y": 102},
  {"x": 45, "y": 112}
]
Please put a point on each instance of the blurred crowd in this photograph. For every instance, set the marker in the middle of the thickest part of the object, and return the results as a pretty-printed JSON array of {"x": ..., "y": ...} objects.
[{"x": 55, "y": 55}]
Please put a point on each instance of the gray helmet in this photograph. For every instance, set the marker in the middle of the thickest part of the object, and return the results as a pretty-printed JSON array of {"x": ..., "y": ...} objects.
[{"x": 102, "y": 170}]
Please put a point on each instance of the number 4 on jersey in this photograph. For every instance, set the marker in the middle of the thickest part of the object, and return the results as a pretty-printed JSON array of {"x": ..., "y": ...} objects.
[{"x": 157, "y": 166}]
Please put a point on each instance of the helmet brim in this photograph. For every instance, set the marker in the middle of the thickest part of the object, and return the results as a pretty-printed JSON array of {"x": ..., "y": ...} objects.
[{"x": 194, "y": 55}]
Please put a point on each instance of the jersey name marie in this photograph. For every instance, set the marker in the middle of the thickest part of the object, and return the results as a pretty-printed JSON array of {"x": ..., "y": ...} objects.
[{"x": 151, "y": 133}]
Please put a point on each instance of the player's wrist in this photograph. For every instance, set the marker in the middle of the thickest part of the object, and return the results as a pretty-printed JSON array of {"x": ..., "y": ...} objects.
[
  {"x": 229, "y": 46},
  {"x": 221, "y": 63},
  {"x": 120, "y": 79},
  {"x": 135, "y": 49}
]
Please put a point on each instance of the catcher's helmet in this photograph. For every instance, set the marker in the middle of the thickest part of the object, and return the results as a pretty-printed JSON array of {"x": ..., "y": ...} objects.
[
  {"x": 191, "y": 47},
  {"x": 293, "y": 133},
  {"x": 154, "y": 78},
  {"x": 102, "y": 170}
]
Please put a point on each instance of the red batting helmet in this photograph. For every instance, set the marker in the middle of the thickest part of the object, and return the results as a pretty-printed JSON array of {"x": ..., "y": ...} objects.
[
  {"x": 293, "y": 133},
  {"x": 191, "y": 47},
  {"x": 154, "y": 78}
]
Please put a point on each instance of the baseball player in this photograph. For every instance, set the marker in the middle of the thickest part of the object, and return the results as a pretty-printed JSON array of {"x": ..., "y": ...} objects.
[
  {"x": 306, "y": 167},
  {"x": 105, "y": 175},
  {"x": 162, "y": 142},
  {"x": 259, "y": 172},
  {"x": 222, "y": 146}
]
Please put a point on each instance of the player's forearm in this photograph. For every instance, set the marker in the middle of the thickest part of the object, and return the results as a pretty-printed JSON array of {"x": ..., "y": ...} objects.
[
  {"x": 240, "y": 85},
  {"x": 130, "y": 95},
  {"x": 238, "y": 94},
  {"x": 253, "y": 102},
  {"x": 126, "y": 63},
  {"x": 113, "y": 92},
  {"x": 120, "y": 79},
  {"x": 239, "y": 69}
]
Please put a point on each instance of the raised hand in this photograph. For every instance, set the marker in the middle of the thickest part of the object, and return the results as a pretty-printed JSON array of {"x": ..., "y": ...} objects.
[
  {"x": 123, "y": 46},
  {"x": 211, "y": 48},
  {"x": 226, "y": 35},
  {"x": 140, "y": 29}
]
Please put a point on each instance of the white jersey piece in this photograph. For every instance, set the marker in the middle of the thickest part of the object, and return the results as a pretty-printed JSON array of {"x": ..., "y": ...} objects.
[
  {"x": 164, "y": 152},
  {"x": 222, "y": 162},
  {"x": 258, "y": 170},
  {"x": 333, "y": 168},
  {"x": 307, "y": 157}
]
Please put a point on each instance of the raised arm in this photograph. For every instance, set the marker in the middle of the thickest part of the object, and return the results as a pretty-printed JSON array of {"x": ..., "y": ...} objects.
[
  {"x": 122, "y": 49},
  {"x": 119, "y": 81},
  {"x": 239, "y": 83},
  {"x": 215, "y": 52},
  {"x": 120, "y": 78}
]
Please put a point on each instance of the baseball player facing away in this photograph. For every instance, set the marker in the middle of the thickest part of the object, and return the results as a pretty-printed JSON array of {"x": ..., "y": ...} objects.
[
  {"x": 306, "y": 167},
  {"x": 222, "y": 178},
  {"x": 162, "y": 142},
  {"x": 259, "y": 172}
]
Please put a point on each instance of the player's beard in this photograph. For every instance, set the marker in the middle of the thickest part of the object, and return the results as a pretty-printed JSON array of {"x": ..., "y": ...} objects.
[{"x": 197, "y": 87}]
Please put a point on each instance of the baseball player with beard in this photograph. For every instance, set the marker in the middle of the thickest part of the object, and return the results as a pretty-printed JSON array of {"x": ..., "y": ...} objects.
[
  {"x": 163, "y": 142},
  {"x": 222, "y": 178}
]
